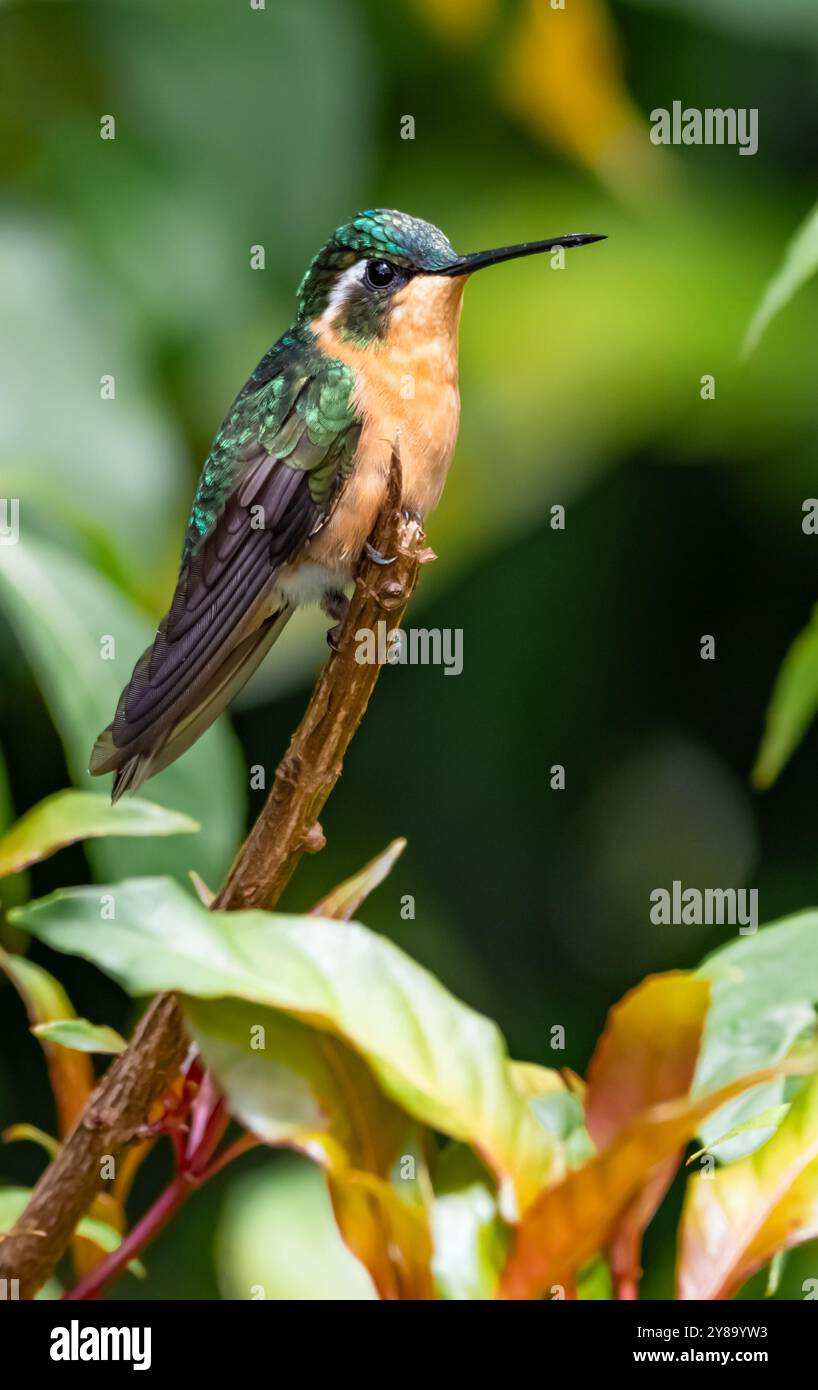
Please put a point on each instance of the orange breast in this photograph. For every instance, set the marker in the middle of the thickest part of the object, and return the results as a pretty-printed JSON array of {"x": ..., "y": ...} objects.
[{"x": 406, "y": 386}]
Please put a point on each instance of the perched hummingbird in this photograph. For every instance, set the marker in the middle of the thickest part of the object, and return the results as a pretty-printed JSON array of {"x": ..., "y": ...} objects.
[{"x": 298, "y": 471}]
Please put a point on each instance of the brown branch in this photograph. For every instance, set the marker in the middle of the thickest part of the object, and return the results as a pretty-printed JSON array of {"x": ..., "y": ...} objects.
[{"x": 286, "y": 829}]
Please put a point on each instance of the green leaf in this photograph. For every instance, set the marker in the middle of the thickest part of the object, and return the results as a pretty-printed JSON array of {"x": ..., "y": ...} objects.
[
  {"x": 61, "y": 611},
  {"x": 775, "y": 1273},
  {"x": 767, "y": 1119},
  {"x": 470, "y": 1239},
  {"x": 764, "y": 988},
  {"x": 108, "y": 1239},
  {"x": 80, "y": 1035},
  {"x": 289, "y": 1083},
  {"x": 442, "y": 1062},
  {"x": 557, "y": 1109},
  {"x": 69, "y": 816},
  {"x": 561, "y": 1113},
  {"x": 736, "y": 1220},
  {"x": 799, "y": 265},
  {"x": 594, "y": 1282},
  {"x": 12, "y": 890},
  {"x": 793, "y": 705}
]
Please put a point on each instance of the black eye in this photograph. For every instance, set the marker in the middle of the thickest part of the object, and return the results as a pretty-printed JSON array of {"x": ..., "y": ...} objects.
[{"x": 379, "y": 274}]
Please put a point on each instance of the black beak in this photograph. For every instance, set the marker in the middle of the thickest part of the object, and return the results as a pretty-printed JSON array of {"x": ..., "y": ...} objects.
[{"x": 466, "y": 265}]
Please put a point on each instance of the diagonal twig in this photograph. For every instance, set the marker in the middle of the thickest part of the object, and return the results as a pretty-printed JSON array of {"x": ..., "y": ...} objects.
[{"x": 286, "y": 828}]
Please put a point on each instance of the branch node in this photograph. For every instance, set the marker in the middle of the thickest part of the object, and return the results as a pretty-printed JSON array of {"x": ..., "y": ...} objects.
[{"x": 314, "y": 840}]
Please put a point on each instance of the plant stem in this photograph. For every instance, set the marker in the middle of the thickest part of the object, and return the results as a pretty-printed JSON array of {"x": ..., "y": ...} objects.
[
  {"x": 205, "y": 1136},
  {"x": 138, "y": 1238},
  {"x": 240, "y": 1146}
]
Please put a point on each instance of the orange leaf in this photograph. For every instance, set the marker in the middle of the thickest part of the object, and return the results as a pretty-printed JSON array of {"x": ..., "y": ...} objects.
[
  {"x": 343, "y": 902},
  {"x": 71, "y": 1073},
  {"x": 646, "y": 1055},
  {"x": 390, "y": 1236},
  {"x": 573, "y": 1219}
]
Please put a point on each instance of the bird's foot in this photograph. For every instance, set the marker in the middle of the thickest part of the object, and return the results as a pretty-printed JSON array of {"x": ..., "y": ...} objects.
[
  {"x": 376, "y": 557},
  {"x": 409, "y": 514},
  {"x": 335, "y": 604}
]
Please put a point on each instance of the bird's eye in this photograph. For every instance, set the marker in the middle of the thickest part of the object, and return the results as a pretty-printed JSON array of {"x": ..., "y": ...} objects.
[{"x": 379, "y": 274}]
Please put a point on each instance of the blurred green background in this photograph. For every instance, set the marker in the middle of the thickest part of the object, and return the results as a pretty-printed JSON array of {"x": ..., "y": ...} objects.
[{"x": 238, "y": 127}]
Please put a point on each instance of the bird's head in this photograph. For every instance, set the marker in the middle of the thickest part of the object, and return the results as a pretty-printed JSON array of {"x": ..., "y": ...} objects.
[{"x": 384, "y": 258}]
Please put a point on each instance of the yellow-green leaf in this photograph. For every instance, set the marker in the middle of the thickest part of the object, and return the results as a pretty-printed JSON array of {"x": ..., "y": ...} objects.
[
  {"x": 81, "y": 1035},
  {"x": 793, "y": 705},
  {"x": 799, "y": 265},
  {"x": 296, "y": 1085},
  {"x": 68, "y": 816},
  {"x": 439, "y": 1060},
  {"x": 471, "y": 1241},
  {"x": 766, "y": 1119},
  {"x": 17, "y": 1133}
]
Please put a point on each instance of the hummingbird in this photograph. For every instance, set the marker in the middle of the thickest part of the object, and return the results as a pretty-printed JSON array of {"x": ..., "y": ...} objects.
[{"x": 298, "y": 471}]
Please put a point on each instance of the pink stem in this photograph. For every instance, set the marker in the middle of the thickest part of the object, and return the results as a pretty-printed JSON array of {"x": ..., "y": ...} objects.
[
  {"x": 240, "y": 1146},
  {"x": 209, "y": 1124},
  {"x": 197, "y": 1159},
  {"x": 141, "y": 1235},
  {"x": 206, "y": 1102}
]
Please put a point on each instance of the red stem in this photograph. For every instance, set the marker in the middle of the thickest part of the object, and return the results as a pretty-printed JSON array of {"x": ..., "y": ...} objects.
[
  {"x": 204, "y": 1106},
  {"x": 240, "y": 1146},
  {"x": 141, "y": 1235},
  {"x": 210, "y": 1137},
  {"x": 210, "y": 1121}
]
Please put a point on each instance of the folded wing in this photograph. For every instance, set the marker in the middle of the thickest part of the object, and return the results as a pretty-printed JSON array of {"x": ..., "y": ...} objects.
[{"x": 271, "y": 481}]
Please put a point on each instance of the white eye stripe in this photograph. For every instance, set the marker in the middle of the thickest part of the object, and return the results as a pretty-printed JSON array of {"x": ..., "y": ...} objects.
[{"x": 352, "y": 277}]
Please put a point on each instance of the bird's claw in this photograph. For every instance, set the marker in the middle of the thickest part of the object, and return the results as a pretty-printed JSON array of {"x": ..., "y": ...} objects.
[
  {"x": 376, "y": 557},
  {"x": 336, "y": 605}
]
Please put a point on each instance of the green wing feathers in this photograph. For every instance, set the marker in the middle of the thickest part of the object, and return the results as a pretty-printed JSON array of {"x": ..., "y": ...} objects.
[{"x": 273, "y": 475}]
